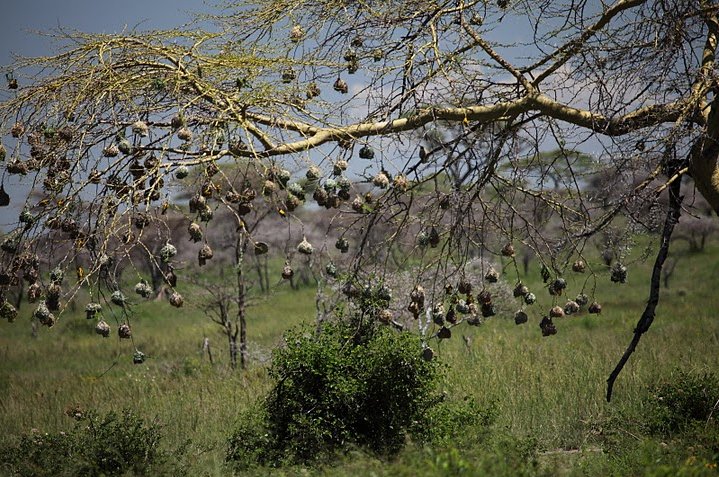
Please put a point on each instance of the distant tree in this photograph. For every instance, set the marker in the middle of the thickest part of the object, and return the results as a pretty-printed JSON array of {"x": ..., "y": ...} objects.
[
  {"x": 328, "y": 99},
  {"x": 697, "y": 227}
]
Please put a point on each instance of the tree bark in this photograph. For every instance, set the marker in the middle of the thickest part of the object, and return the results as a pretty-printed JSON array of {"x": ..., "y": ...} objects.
[
  {"x": 704, "y": 169},
  {"x": 240, "y": 246},
  {"x": 704, "y": 160}
]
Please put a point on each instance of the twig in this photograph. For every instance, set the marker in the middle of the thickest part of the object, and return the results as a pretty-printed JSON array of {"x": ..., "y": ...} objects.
[
  {"x": 671, "y": 180},
  {"x": 716, "y": 406},
  {"x": 675, "y": 202},
  {"x": 206, "y": 347}
]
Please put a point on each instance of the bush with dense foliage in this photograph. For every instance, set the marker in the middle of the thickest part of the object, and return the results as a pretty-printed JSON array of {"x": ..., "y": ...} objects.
[
  {"x": 340, "y": 387},
  {"x": 116, "y": 444},
  {"x": 682, "y": 400}
]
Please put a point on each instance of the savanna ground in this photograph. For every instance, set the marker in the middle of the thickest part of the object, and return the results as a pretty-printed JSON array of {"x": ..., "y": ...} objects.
[{"x": 548, "y": 393}]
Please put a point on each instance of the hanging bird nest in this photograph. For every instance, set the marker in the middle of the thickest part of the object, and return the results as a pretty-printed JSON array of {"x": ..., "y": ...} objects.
[
  {"x": 520, "y": 317},
  {"x": 195, "y": 232},
  {"x": 296, "y": 34},
  {"x": 618, "y": 273},
  {"x": 111, "y": 150},
  {"x": 287, "y": 271},
  {"x": 143, "y": 289},
  {"x": 400, "y": 183},
  {"x": 204, "y": 254},
  {"x": 182, "y": 172},
  {"x": 381, "y": 180},
  {"x": 331, "y": 269},
  {"x": 342, "y": 244},
  {"x": 305, "y": 247},
  {"x": 571, "y": 307},
  {"x": 176, "y": 300},
  {"x": 313, "y": 90},
  {"x": 579, "y": 266},
  {"x": 556, "y": 312},
  {"x": 464, "y": 287},
  {"x": 140, "y": 128},
  {"x": 492, "y": 275},
  {"x": 184, "y": 134},
  {"x": 8, "y": 311},
  {"x": 118, "y": 298},
  {"x": 340, "y": 86},
  {"x": 124, "y": 331},
  {"x": 520, "y": 290},
  {"x": 102, "y": 329},
  {"x": 339, "y": 167},
  {"x": 92, "y": 309},
  {"x": 582, "y": 299},
  {"x": 547, "y": 326},
  {"x": 508, "y": 250},
  {"x": 385, "y": 316},
  {"x": 366, "y": 152},
  {"x": 167, "y": 252},
  {"x": 313, "y": 173}
]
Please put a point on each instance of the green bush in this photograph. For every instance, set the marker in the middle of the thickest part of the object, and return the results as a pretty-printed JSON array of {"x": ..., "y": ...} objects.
[
  {"x": 682, "y": 399},
  {"x": 337, "y": 389},
  {"x": 112, "y": 445}
]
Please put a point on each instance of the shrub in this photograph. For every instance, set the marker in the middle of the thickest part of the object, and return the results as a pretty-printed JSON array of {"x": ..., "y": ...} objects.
[
  {"x": 111, "y": 445},
  {"x": 682, "y": 399},
  {"x": 335, "y": 389}
]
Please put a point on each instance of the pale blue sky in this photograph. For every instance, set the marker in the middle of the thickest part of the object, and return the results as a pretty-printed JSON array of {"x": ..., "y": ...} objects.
[{"x": 18, "y": 18}]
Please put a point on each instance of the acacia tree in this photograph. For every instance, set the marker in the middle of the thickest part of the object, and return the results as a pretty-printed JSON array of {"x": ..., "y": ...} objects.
[{"x": 340, "y": 92}]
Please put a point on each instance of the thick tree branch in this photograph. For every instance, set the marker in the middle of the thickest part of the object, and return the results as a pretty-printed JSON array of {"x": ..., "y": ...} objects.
[
  {"x": 610, "y": 126},
  {"x": 704, "y": 161}
]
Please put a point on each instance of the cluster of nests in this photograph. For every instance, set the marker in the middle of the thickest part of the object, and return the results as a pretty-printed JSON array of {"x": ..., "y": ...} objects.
[
  {"x": 328, "y": 192},
  {"x": 351, "y": 59},
  {"x": 555, "y": 288},
  {"x": 45, "y": 147},
  {"x": 48, "y": 296},
  {"x": 47, "y": 143},
  {"x": 463, "y": 302},
  {"x": 462, "y": 305}
]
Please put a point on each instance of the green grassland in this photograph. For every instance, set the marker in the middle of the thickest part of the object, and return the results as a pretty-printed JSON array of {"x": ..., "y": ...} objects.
[{"x": 552, "y": 417}]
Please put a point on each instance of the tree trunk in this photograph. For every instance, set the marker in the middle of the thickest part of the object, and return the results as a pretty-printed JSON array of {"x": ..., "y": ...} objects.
[
  {"x": 232, "y": 338},
  {"x": 243, "y": 336},
  {"x": 265, "y": 267},
  {"x": 240, "y": 246},
  {"x": 260, "y": 278},
  {"x": 20, "y": 289},
  {"x": 704, "y": 169}
]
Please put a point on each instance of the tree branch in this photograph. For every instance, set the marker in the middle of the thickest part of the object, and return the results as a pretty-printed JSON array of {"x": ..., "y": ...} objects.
[
  {"x": 610, "y": 126},
  {"x": 675, "y": 202},
  {"x": 568, "y": 50}
]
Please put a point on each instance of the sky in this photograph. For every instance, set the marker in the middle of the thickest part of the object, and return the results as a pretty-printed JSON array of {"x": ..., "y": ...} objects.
[{"x": 20, "y": 19}]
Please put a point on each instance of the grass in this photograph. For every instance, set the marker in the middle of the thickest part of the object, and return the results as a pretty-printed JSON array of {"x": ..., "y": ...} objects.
[{"x": 552, "y": 415}]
